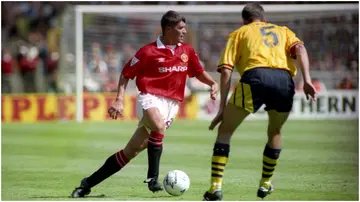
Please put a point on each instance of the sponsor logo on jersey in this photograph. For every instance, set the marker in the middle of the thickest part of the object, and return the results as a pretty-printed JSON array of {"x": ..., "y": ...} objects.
[{"x": 173, "y": 69}]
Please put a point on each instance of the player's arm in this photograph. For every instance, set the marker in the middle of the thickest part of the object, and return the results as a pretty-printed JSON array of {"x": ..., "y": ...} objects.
[
  {"x": 225, "y": 80},
  {"x": 224, "y": 91},
  {"x": 196, "y": 70},
  {"x": 123, "y": 81},
  {"x": 129, "y": 72},
  {"x": 226, "y": 65},
  {"x": 299, "y": 54},
  {"x": 301, "y": 57},
  {"x": 302, "y": 62},
  {"x": 117, "y": 107},
  {"x": 205, "y": 78}
]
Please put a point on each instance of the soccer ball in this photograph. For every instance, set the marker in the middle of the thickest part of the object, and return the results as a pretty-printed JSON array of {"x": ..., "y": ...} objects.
[{"x": 176, "y": 182}]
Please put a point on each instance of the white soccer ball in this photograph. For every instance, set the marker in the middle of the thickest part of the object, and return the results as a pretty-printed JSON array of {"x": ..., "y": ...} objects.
[{"x": 176, "y": 182}]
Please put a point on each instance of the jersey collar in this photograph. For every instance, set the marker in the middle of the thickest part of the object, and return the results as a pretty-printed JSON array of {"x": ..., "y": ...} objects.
[{"x": 160, "y": 44}]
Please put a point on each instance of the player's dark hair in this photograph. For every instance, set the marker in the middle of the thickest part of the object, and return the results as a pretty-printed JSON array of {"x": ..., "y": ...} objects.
[
  {"x": 253, "y": 11},
  {"x": 171, "y": 19}
]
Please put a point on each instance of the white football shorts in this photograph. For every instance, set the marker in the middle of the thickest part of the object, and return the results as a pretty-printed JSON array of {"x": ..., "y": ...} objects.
[{"x": 167, "y": 107}]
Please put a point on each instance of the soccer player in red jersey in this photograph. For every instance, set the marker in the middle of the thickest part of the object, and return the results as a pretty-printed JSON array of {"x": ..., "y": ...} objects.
[{"x": 160, "y": 69}]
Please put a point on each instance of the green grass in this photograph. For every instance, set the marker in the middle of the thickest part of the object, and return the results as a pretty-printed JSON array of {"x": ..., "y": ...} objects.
[{"x": 45, "y": 161}]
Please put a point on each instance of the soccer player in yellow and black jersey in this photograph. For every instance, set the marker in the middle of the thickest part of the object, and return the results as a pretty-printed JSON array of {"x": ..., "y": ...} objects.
[{"x": 265, "y": 55}]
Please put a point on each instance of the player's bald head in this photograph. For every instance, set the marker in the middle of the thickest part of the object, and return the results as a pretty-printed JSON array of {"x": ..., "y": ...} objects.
[{"x": 253, "y": 11}]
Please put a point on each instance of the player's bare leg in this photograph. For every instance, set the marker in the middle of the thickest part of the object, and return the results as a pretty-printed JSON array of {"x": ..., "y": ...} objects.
[
  {"x": 137, "y": 143},
  {"x": 114, "y": 163},
  {"x": 232, "y": 118},
  {"x": 154, "y": 121},
  {"x": 272, "y": 151}
]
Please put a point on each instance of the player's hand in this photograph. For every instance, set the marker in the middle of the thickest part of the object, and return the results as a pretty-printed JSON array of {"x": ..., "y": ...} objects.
[
  {"x": 116, "y": 109},
  {"x": 214, "y": 91},
  {"x": 309, "y": 90},
  {"x": 218, "y": 118}
]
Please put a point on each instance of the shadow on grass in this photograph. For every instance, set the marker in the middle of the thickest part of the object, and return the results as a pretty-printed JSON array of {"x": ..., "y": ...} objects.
[
  {"x": 54, "y": 197},
  {"x": 155, "y": 196}
]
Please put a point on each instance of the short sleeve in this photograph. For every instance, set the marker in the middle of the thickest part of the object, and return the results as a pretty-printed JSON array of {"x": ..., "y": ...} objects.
[
  {"x": 231, "y": 52},
  {"x": 291, "y": 39},
  {"x": 195, "y": 68},
  {"x": 132, "y": 67}
]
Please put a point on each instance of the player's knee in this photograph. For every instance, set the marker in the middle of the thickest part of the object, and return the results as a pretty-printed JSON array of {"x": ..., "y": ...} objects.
[
  {"x": 224, "y": 131},
  {"x": 272, "y": 131},
  {"x": 159, "y": 126}
]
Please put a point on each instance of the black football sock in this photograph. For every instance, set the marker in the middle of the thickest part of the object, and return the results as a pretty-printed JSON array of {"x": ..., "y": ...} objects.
[
  {"x": 112, "y": 165},
  {"x": 154, "y": 151}
]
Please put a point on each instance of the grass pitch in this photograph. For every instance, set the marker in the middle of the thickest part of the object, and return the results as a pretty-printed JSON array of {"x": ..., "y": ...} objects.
[{"x": 46, "y": 161}]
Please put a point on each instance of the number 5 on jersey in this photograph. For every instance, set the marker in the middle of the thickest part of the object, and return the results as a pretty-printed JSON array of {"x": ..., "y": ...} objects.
[{"x": 267, "y": 31}]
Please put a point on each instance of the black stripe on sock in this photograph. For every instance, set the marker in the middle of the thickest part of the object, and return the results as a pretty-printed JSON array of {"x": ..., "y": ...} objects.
[
  {"x": 268, "y": 170},
  {"x": 216, "y": 175},
  {"x": 218, "y": 164},
  {"x": 217, "y": 169},
  {"x": 269, "y": 164},
  {"x": 266, "y": 176}
]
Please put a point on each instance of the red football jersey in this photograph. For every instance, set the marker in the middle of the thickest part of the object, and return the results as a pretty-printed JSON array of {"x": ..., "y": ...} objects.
[{"x": 162, "y": 71}]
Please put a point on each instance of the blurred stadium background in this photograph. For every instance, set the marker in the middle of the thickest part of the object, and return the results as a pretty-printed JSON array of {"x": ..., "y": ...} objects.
[
  {"x": 38, "y": 85},
  {"x": 42, "y": 31},
  {"x": 39, "y": 51}
]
